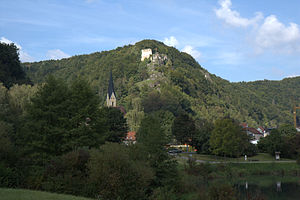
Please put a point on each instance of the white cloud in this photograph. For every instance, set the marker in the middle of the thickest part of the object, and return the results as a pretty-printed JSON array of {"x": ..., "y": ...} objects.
[
  {"x": 274, "y": 35},
  {"x": 56, "y": 54},
  {"x": 233, "y": 17},
  {"x": 171, "y": 41},
  {"x": 24, "y": 57},
  {"x": 193, "y": 52},
  {"x": 7, "y": 41},
  {"x": 293, "y": 76},
  {"x": 267, "y": 34}
]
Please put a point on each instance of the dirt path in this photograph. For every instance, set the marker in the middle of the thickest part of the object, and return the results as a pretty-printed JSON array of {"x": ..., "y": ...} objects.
[{"x": 242, "y": 162}]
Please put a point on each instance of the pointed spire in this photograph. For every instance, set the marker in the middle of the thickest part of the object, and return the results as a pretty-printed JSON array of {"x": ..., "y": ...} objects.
[{"x": 111, "y": 89}]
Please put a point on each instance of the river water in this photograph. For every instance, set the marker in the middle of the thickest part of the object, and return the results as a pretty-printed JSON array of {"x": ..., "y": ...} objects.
[{"x": 268, "y": 188}]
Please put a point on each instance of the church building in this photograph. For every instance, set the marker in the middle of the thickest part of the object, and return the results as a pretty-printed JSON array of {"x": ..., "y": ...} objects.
[{"x": 111, "y": 99}]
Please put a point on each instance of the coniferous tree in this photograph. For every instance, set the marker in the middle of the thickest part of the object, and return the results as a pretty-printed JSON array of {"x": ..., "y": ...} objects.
[
  {"x": 115, "y": 123},
  {"x": 151, "y": 141},
  {"x": 61, "y": 119}
]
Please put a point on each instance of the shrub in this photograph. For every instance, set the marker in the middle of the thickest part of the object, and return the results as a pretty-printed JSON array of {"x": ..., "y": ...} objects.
[
  {"x": 222, "y": 192},
  {"x": 114, "y": 175},
  {"x": 68, "y": 173}
]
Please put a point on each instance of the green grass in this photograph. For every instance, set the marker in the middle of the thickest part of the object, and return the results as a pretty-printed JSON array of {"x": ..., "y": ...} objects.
[
  {"x": 242, "y": 169},
  {"x": 258, "y": 157},
  {"x": 20, "y": 194},
  {"x": 256, "y": 169}
]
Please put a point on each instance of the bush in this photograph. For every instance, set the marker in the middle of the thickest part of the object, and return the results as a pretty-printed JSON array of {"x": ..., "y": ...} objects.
[
  {"x": 222, "y": 192},
  {"x": 114, "y": 175},
  {"x": 10, "y": 177},
  {"x": 164, "y": 193},
  {"x": 252, "y": 150},
  {"x": 67, "y": 174}
]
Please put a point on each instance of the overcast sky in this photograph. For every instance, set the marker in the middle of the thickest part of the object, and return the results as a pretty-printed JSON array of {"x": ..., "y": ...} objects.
[{"x": 236, "y": 40}]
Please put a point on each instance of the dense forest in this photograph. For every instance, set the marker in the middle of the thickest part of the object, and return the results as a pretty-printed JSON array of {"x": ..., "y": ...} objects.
[{"x": 176, "y": 83}]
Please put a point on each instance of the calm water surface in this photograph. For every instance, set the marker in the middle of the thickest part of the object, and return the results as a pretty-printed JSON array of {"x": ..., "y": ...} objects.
[{"x": 269, "y": 188}]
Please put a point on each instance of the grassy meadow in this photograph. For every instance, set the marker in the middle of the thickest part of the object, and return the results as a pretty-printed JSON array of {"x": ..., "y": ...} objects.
[{"x": 19, "y": 194}]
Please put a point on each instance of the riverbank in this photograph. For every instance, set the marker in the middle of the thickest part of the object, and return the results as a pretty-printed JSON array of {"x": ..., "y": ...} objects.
[
  {"x": 260, "y": 157},
  {"x": 217, "y": 169},
  {"x": 241, "y": 180}
]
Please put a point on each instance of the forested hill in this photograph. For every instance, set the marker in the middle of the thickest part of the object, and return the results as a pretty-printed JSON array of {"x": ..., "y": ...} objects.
[{"x": 173, "y": 82}]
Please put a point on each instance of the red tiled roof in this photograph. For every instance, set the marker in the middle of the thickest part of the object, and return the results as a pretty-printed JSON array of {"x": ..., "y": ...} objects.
[
  {"x": 261, "y": 128},
  {"x": 131, "y": 136},
  {"x": 253, "y": 130}
]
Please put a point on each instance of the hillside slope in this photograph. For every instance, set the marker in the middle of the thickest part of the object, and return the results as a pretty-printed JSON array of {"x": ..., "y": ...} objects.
[{"x": 174, "y": 82}]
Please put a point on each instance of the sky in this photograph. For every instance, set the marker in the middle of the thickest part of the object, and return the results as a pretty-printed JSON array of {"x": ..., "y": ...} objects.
[{"x": 237, "y": 40}]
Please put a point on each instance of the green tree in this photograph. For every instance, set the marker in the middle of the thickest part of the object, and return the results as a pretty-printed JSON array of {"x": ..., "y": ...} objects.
[
  {"x": 116, "y": 124},
  {"x": 135, "y": 116},
  {"x": 228, "y": 138},
  {"x": 86, "y": 126},
  {"x": 202, "y": 136},
  {"x": 272, "y": 143},
  {"x": 11, "y": 71},
  {"x": 166, "y": 119},
  {"x": 184, "y": 129},
  {"x": 114, "y": 174},
  {"x": 6, "y": 145},
  {"x": 151, "y": 143},
  {"x": 68, "y": 173},
  {"x": 287, "y": 130},
  {"x": 19, "y": 97},
  {"x": 4, "y": 104},
  {"x": 61, "y": 119}
]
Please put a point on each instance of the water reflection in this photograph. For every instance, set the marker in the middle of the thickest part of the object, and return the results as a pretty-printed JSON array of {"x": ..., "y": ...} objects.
[
  {"x": 278, "y": 186},
  {"x": 268, "y": 189}
]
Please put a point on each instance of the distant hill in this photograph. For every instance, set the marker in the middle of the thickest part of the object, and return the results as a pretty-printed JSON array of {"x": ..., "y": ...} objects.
[{"x": 174, "y": 82}]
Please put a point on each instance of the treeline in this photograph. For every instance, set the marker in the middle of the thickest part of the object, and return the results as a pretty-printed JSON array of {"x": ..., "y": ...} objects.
[{"x": 62, "y": 141}]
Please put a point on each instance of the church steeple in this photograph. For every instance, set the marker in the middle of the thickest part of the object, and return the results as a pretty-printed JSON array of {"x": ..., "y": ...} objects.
[{"x": 111, "y": 100}]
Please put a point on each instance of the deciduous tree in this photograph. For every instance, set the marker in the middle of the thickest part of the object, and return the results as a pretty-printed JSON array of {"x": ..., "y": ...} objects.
[{"x": 228, "y": 138}]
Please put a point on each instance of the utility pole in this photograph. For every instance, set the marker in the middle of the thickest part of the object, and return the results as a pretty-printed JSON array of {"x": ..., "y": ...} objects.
[{"x": 295, "y": 116}]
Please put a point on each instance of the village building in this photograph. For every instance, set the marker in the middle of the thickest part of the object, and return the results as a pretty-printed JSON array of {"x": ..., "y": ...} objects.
[
  {"x": 130, "y": 138},
  {"x": 255, "y": 134}
]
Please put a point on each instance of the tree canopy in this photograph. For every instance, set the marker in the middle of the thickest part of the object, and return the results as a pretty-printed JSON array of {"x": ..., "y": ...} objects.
[
  {"x": 228, "y": 138},
  {"x": 11, "y": 71},
  {"x": 61, "y": 119},
  {"x": 177, "y": 84}
]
